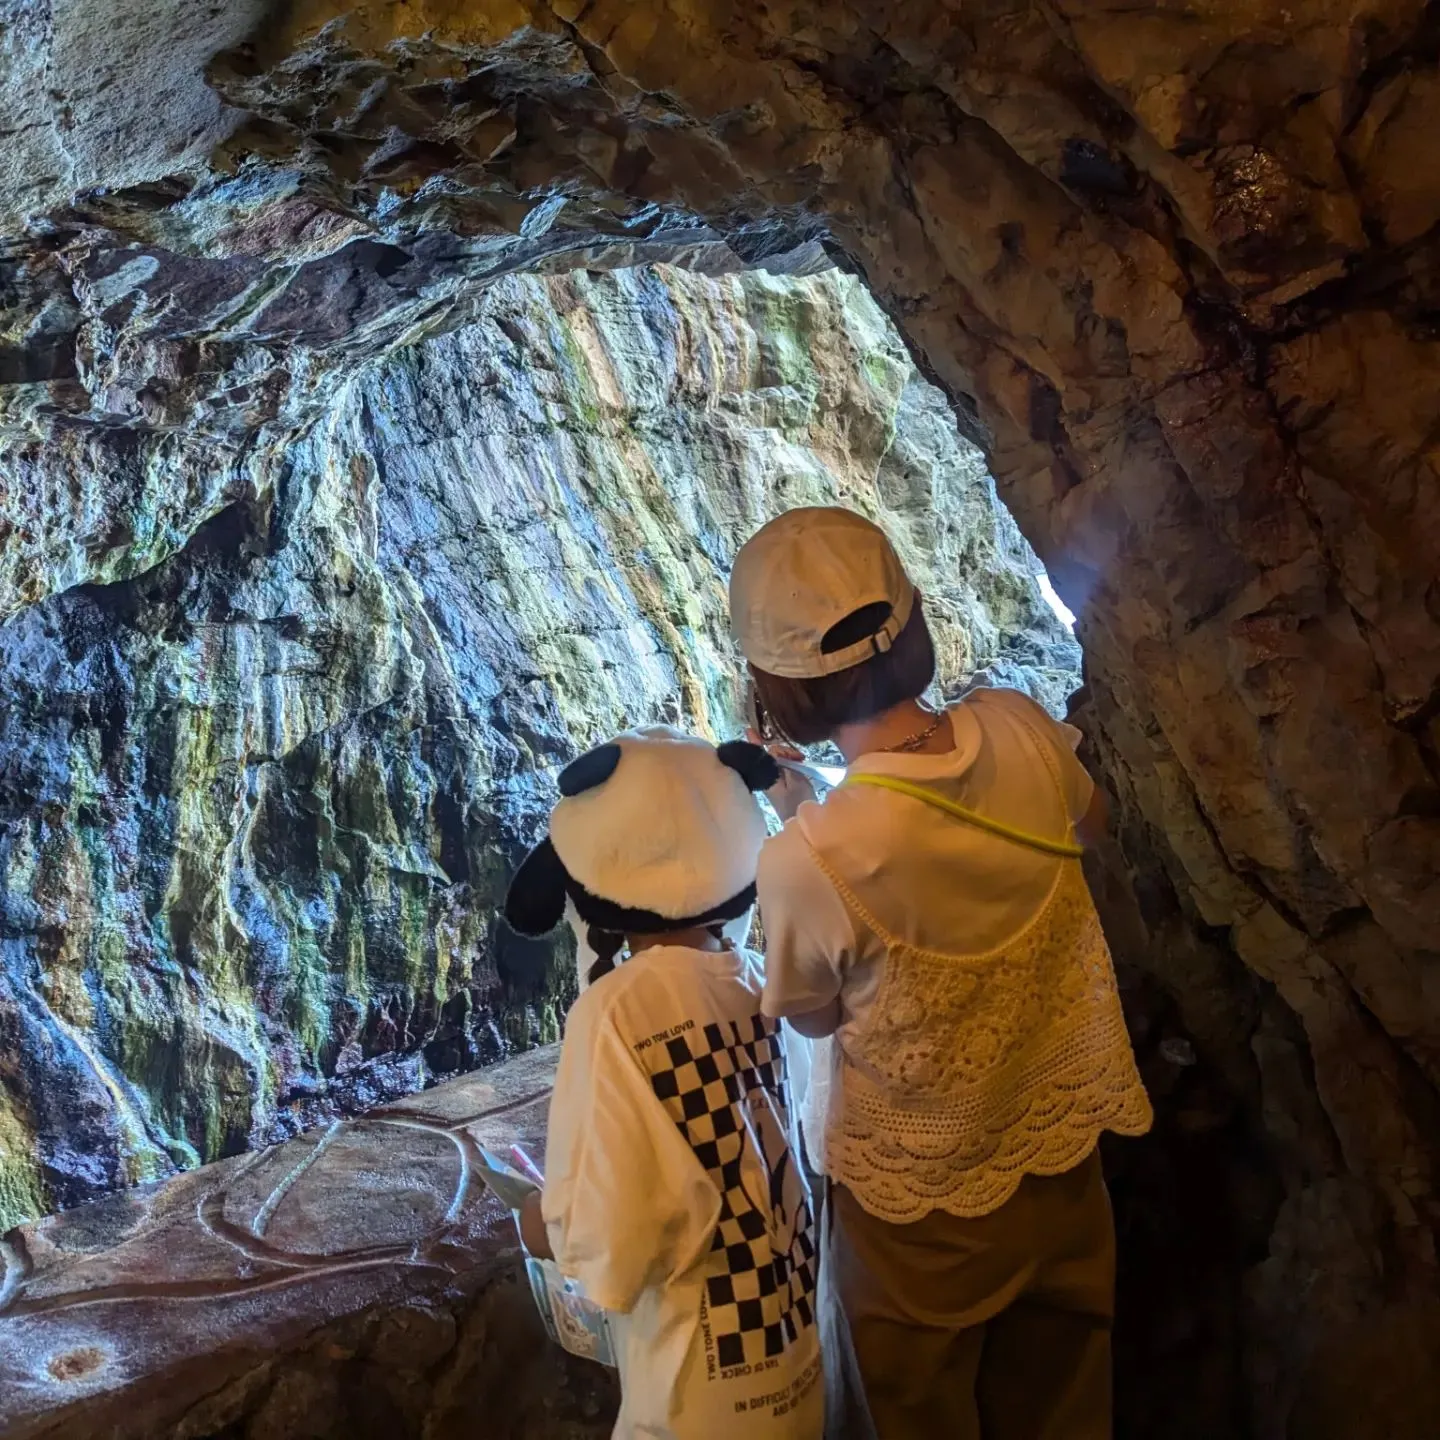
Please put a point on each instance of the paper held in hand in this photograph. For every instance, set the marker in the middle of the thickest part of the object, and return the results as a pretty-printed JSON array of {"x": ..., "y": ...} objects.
[
  {"x": 572, "y": 1320},
  {"x": 822, "y": 777}
]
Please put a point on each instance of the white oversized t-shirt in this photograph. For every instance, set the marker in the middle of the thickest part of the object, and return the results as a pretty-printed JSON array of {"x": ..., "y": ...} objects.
[{"x": 673, "y": 1195}]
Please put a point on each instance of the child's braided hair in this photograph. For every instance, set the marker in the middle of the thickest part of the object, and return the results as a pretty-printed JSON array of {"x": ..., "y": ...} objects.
[{"x": 606, "y": 944}]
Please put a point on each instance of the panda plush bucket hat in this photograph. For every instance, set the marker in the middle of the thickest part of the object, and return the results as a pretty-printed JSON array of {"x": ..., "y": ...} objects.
[{"x": 654, "y": 831}]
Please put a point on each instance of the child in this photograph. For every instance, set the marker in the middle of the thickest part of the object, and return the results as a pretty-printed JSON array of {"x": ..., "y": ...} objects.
[
  {"x": 672, "y": 1193},
  {"x": 932, "y": 916}
]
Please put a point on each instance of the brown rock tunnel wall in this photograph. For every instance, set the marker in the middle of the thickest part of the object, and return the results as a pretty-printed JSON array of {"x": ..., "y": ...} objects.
[
  {"x": 1178, "y": 268},
  {"x": 1178, "y": 265}
]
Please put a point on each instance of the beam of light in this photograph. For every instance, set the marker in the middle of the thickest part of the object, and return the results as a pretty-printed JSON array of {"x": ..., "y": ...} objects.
[{"x": 1067, "y": 618}]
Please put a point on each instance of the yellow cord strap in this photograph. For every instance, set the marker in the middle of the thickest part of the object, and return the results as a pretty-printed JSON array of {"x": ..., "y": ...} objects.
[{"x": 1065, "y": 848}]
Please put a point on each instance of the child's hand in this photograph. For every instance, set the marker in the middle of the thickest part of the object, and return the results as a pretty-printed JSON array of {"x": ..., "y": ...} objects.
[
  {"x": 792, "y": 790},
  {"x": 532, "y": 1228}
]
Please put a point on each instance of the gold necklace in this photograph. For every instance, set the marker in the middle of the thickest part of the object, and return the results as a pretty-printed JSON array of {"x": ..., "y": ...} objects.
[{"x": 916, "y": 740}]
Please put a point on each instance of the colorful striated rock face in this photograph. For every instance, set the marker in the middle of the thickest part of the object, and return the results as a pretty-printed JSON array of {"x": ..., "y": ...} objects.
[
  {"x": 1177, "y": 268},
  {"x": 283, "y": 704}
]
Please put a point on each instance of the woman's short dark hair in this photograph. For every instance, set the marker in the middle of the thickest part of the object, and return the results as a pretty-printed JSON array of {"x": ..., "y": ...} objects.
[{"x": 806, "y": 712}]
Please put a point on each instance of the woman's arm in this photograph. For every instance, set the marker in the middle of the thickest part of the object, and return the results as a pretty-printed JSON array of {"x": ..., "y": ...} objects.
[
  {"x": 1087, "y": 807},
  {"x": 809, "y": 936},
  {"x": 817, "y": 1024},
  {"x": 1090, "y": 827}
]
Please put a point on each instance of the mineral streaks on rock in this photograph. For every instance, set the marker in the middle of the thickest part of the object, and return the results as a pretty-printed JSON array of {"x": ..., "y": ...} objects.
[
  {"x": 282, "y": 703},
  {"x": 634, "y": 469},
  {"x": 355, "y": 1267},
  {"x": 1176, "y": 264}
]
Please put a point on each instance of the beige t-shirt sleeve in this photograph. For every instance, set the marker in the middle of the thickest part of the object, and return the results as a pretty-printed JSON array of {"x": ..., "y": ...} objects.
[
  {"x": 810, "y": 938},
  {"x": 1061, "y": 740},
  {"x": 627, "y": 1206}
]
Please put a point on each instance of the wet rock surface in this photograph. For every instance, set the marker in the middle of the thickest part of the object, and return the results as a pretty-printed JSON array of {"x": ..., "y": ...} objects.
[
  {"x": 283, "y": 705},
  {"x": 1176, "y": 267},
  {"x": 356, "y": 1281}
]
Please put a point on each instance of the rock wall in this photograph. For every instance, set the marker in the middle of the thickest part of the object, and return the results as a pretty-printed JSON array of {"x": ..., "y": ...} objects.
[
  {"x": 254, "y": 1300},
  {"x": 1176, "y": 267},
  {"x": 282, "y": 703}
]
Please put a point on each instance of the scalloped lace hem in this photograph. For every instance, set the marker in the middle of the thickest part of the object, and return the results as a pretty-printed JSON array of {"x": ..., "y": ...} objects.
[{"x": 900, "y": 1177}]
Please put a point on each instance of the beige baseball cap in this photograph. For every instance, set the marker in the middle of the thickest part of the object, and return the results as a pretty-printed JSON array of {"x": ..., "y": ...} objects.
[{"x": 799, "y": 576}]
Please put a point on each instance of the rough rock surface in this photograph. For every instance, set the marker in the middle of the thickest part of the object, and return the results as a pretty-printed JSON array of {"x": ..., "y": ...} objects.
[
  {"x": 283, "y": 703},
  {"x": 1177, "y": 267},
  {"x": 256, "y": 1300}
]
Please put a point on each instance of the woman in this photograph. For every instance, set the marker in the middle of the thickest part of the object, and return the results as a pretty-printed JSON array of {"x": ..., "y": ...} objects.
[{"x": 932, "y": 916}]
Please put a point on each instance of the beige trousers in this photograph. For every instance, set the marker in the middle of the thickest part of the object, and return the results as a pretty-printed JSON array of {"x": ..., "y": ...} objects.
[{"x": 996, "y": 1328}]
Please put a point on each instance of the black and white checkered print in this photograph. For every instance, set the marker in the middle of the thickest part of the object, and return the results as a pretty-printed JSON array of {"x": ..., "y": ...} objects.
[{"x": 714, "y": 1081}]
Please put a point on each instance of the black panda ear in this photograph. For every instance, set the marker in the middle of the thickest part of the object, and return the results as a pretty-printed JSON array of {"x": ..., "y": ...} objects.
[
  {"x": 535, "y": 902},
  {"x": 593, "y": 768},
  {"x": 752, "y": 763}
]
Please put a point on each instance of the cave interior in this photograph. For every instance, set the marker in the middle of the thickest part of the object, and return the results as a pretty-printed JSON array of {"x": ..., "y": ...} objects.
[{"x": 384, "y": 391}]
